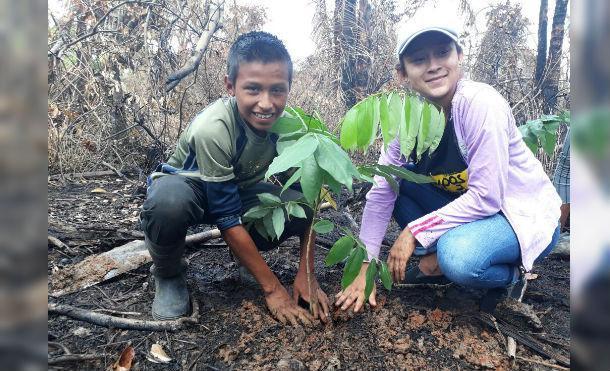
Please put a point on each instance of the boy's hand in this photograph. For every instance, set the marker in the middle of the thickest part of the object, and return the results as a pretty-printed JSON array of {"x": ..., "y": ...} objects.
[
  {"x": 285, "y": 310},
  {"x": 300, "y": 290},
  {"x": 354, "y": 293}
]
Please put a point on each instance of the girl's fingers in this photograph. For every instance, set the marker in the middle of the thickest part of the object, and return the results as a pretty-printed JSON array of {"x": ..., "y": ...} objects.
[{"x": 359, "y": 303}]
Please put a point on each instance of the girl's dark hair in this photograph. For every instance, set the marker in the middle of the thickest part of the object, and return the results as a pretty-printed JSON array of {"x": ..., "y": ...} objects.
[
  {"x": 400, "y": 67},
  {"x": 257, "y": 46}
]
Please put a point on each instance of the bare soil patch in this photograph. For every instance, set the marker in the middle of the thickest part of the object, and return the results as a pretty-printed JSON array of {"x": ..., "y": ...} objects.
[{"x": 415, "y": 328}]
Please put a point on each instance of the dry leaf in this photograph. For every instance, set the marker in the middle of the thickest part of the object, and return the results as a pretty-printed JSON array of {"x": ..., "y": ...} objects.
[
  {"x": 54, "y": 111},
  {"x": 158, "y": 355},
  {"x": 99, "y": 190},
  {"x": 124, "y": 361}
]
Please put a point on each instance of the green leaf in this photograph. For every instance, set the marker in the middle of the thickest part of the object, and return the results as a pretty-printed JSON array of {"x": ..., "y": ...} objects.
[
  {"x": 259, "y": 225},
  {"x": 256, "y": 212},
  {"x": 352, "y": 267},
  {"x": 376, "y": 170},
  {"x": 395, "y": 113},
  {"x": 349, "y": 129},
  {"x": 549, "y": 143},
  {"x": 403, "y": 173},
  {"x": 287, "y": 124},
  {"x": 323, "y": 226},
  {"x": 296, "y": 210},
  {"x": 335, "y": 161},
  {"x": 371, "y": 272},
  {"x": 332, "y": 183},
  {"x": 311, "y": 122},
  {"x": 408, "y": 128},
  {"x": 268, "y": 223},
  {"x": 365, "y": 123},
  {"x": 423, "y": 138},
  {"x": 311, "y": 179},
  {"x": 375, "y": 105},
  {"x": 386, "y": 278},
  {"x": 384, "y": 120},
  {"x": 269, "y": 199},
  {"x": 415, "y": 113},
  {"x": 339, "y": 251},
  {"x": 295, "y": 176},
  {"x": 292, "y": 155},
  {"x": 437, "y": 128},
  {"x": 278, "y": 221}
]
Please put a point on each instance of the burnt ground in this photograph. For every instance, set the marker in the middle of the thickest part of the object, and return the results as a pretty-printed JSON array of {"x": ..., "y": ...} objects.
[{"x": 414, "y": 328}]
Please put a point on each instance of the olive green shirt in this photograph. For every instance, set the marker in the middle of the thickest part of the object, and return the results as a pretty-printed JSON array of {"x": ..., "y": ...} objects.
[{"x": 207, "y": 149}]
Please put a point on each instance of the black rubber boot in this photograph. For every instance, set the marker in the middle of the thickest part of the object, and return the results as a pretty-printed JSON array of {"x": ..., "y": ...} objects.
[{"x": 171, "y": 292}]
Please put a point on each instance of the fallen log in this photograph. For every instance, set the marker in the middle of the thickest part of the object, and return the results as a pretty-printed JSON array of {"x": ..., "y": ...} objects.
[
  {"x": 109, "y": 321},
  {"x": 102, "y": 267},
  {"x": 107, "y": 265}
]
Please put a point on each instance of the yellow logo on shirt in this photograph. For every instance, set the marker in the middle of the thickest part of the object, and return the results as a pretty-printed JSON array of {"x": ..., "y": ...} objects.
[{"x": 456, "y": 182}]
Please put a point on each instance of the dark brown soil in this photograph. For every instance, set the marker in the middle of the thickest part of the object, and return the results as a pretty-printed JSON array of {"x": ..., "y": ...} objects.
[{"x": 412, "y": 328}]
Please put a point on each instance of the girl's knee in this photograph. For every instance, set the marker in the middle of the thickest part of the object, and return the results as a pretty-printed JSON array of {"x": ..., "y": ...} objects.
[{"x": 455, "y": 260}]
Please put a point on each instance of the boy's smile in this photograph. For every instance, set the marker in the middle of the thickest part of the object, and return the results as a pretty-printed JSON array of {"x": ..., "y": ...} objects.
[{"x": 261, "y": 90}]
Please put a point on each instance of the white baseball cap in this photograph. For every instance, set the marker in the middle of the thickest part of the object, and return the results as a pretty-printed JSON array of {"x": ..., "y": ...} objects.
[{"x": 417, "y": 29}]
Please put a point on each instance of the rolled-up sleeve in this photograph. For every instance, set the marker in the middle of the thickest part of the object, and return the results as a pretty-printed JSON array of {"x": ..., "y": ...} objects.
[{"x": 224, "y": 203}]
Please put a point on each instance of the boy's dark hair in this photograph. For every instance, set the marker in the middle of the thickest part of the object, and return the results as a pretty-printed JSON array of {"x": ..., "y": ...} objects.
[{"x": 257, "y": 46}]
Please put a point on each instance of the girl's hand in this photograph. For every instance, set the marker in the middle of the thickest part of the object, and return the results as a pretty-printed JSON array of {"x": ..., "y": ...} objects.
[
  {"x": 400, "y": 253},
  {"x": 354, "y": 293}
]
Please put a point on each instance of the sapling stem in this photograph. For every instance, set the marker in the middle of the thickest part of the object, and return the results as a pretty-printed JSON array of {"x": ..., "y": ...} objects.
[{"x": 313, "y": 299}]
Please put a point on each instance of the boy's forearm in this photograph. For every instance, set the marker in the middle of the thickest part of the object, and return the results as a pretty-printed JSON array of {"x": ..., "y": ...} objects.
[{"x": 242, "y": 246}]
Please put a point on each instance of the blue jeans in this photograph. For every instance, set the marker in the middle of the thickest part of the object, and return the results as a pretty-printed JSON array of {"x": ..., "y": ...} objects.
[{"x": 481, "y": 254}]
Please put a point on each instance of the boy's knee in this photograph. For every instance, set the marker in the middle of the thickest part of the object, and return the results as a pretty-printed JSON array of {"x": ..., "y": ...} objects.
[
  {"x": 165, "y": 211},
  {"x": 165, "y": 208}
]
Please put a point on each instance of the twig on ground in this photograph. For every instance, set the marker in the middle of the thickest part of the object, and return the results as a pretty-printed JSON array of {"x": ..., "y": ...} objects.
[
  {"x": 86, "y": 174},
  {"x": 60, "y": 245},
  {"x": 117, "y": 172},
  {"x": 551, "y": 365},
  {"x": 125, "y": 323},
  {"x": 350, "y": 218},
  {"x": 59, "y": 345},
  {"x": 116, "y": 312},
  {"x": 73, "y": 358},
  {"x": 194, "y": 361}
]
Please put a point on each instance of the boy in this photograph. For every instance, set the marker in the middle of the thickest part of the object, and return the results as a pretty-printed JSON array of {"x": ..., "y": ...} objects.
[{"x": 214, "y": 176}]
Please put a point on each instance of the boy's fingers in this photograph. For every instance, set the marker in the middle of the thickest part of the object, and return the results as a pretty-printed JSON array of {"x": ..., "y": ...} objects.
[
  {"x": 304, "y": 316},
  {"x": 281, "y": 318},
  {"x": 323, "y": 299},
  {"x": 292, "y": 319},
  {"x": 314, "y": 310}
]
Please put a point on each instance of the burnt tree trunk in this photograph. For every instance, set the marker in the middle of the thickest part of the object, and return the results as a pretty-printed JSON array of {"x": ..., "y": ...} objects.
[
  {"x": 542, "y": 41},
  {"x": 349, "y": 50},
  {"x": 550, "y": 87},
  {"x": 352, "y": 22}
]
